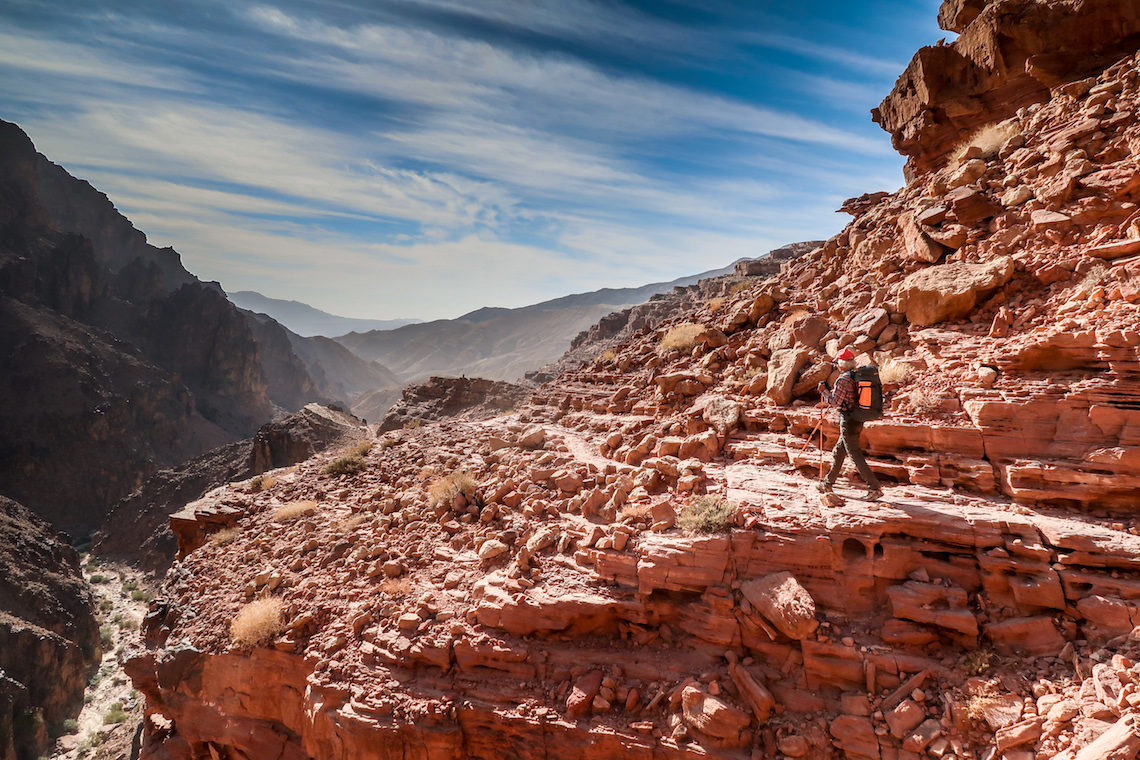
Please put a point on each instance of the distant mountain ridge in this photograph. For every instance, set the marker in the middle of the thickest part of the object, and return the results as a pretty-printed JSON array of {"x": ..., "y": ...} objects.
[
  {"x": 498, "y": 343},
  {"x": 308, "y": 321}
]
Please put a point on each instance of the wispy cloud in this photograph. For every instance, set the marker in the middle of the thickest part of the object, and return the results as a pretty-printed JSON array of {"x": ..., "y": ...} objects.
[{"x": 393, "y": 149}]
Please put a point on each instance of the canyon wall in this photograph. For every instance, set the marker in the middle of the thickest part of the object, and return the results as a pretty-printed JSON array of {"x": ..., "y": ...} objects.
[
  {"x": 49, "y": 639},
  {"x": 114, "y": 360}
]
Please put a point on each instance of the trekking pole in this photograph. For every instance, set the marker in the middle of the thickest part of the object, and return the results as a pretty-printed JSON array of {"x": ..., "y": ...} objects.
[
  {"x": 811, "y": 436},
  {"x": 821, "y": 408}
]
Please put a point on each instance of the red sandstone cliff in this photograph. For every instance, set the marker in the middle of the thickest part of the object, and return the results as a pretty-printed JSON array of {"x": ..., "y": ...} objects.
[{"x": 519, "y": 586}]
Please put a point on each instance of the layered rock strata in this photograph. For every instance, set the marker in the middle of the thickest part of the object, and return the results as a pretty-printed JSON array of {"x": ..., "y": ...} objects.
[{"x": 547, "y": 604}]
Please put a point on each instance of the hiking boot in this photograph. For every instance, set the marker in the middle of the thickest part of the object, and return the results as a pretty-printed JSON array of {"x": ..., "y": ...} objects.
[
  {"x": 874, "y": 494},
  {"x": 823, "y": 486}
]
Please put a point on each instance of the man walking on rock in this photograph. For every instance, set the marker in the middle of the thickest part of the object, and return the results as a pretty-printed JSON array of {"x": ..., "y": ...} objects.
[{"x": 844, "y": 398}]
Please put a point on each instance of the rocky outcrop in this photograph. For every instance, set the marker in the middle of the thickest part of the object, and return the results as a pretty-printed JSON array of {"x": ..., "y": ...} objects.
[
  {"x": 1010, "y": 54},
  {"x": 769, "y": 265},
  {"x": 620, "y": 326},
  {"x": 138, "y": 527},
  {"x": 448, "y": 397},
  {"x": 49, "y": 638},
  {"x": 541, "y": 606}
]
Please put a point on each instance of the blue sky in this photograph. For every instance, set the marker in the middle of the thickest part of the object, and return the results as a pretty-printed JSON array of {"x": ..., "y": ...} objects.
[{"x": 423, "y": 158}]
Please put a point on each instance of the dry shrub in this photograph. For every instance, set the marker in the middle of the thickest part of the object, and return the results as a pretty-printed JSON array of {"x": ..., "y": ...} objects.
[
  {"x": 262, "y": 483},
  {"x": 706, "y": 514},
  {"x": 362, "y": 448},
  {"x": 294, "y": 510},
  {"x": 608, "y": 355},
  {"x": 258, "y": 623},
  {"x": 716, "y": 304},
  {"x": 634, "y": 511},
  {"x": 396, "y": 587},
  {"x": 989, "y": 139},
  {"x": 925, "y": 400},
  {"x": 682, "y": 337},
  {"x": 387, "y": 443},
  {"x": 349, "y": 464},
  {"x": 224, "y": 536},
  {"x": 892, "y": 371},
  {"x": 350, "y": 523},
  {"x": 978, "y": 661},
  {"x": 739, "y": 288},
  {"x": 445, "y": 489}
]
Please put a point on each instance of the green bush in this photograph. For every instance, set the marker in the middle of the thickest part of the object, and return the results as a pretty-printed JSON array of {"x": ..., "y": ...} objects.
[
  {"x": 142, "y": 596},
  {"x": 350, "y": 464},
  {"x": 114, "y": 715}
]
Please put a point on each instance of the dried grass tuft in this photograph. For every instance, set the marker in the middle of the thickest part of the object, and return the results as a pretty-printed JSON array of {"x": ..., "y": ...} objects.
[
  {"x": 706, "y": 514},
  {"x": 224, "y": 536},
  {"x": 682, "y": 337},
  {"x": 353, "y": 522},
  {"x": 349, "y": 464},
  {"x": 262, "y": 483},
  {"x": 892, "y": 371},
  {"x": 294, "y": 510},
  {"x": 988, "y": 139},
  {"x": 258, "y": 623},
  {"x": 396, "y": 587},
  {"x": 446, "y": 488}
]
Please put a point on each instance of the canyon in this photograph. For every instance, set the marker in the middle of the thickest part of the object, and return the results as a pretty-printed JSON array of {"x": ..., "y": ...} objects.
[{"x": 633, "y": 561}]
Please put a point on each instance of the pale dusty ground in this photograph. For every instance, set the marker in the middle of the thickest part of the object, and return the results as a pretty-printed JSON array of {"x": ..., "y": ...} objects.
[{"x": 119, "y": 617}]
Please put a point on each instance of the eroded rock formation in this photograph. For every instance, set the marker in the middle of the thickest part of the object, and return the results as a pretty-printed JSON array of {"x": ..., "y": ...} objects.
[{"x": 1010, "y": 54}]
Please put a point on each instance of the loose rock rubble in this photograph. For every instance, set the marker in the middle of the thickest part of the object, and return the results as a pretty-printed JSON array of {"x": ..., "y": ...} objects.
[{"x": 538, "y": 585}]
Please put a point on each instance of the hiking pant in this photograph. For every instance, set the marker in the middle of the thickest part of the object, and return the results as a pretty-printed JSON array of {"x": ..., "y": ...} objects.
[{"x": 848, "y": 444}]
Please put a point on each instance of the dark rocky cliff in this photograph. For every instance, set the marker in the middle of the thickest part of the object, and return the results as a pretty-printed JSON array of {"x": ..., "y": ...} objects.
[
  {"x": 48, "y": 633},
  {"x": 114, "y": 360}
]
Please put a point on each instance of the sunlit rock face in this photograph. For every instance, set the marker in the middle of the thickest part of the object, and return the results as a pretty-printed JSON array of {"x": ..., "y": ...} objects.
[{"x": 1009, "y": 54}]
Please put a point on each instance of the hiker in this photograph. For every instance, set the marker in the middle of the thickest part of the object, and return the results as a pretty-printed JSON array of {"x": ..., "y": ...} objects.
[{"x": 851, "y": 418}]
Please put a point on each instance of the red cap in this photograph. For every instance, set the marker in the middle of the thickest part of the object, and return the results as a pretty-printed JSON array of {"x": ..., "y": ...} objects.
[{"x": 845, "y": 356}]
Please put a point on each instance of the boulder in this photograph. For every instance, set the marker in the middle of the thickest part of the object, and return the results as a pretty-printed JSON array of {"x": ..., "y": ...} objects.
[
  {"x": 783, "y": 368},
  {"x": 714, "y": 717},
  {"x": 951, "y": 291},
  {"x": 917, "y": 243},
  {"x": 781, "y": 599}
]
